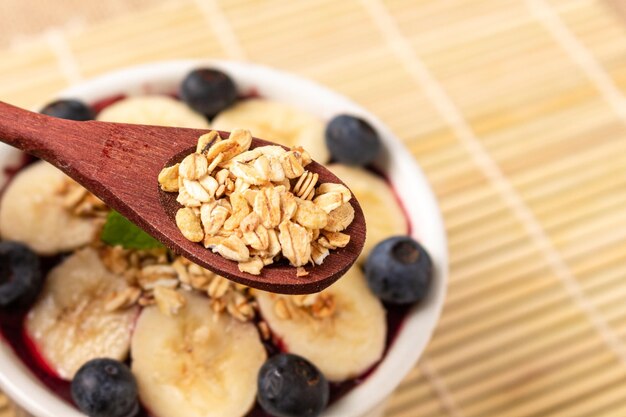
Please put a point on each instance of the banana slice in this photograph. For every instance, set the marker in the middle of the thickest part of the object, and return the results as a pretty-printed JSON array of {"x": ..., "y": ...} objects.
[
  {"x": 196, "y": 364},
  {"x": 343, "y": 337},
  {"x": 153, "y": 110},
  {"x": 33, "y": 212},
  {"x": 70, "y": 324},
  {"x": 278, "y": 123},
  {"x": 383, "y": 215}
]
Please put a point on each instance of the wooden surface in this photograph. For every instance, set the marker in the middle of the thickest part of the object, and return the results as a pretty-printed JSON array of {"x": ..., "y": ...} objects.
[{"x": 516, "y": 111}]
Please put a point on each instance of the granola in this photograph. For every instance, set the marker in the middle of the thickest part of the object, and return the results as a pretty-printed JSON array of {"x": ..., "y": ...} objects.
[
  {"x": 168, "y": 300},
  {"x": 155, "y": 276},
  {"x": 80, "y": 202},
  {"x": 317, "y": 306},
  {"x": 123, "y": 299},
  {"x": 256, "y": 206}
]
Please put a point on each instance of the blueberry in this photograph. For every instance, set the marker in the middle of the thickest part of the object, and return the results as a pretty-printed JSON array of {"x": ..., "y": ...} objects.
[
  {"x": 291, "y": 386},
  {"x": 208, "y": 91},
  {"x": 351, "y": 140},
  {"x": 399, "y": 270},
  {"x": 69, "y": 109},
  {"x": 20, "y": 275},
  {"x": 105, "y": 388}
]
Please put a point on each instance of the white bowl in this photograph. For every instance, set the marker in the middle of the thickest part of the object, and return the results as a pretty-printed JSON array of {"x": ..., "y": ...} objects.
[{"x": 400, "y": 167}]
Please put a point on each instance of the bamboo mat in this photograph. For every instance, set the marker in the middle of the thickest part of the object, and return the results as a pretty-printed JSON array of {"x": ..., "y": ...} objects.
[{"x": 515, "y": 109}]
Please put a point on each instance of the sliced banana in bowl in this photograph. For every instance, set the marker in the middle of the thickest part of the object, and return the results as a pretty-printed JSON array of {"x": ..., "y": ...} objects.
[
  {"x": 344, "y": 336},
  {"x": 156, "y": 110},
  {"x": 196, "y": 363},
  {"x": 70, "y": 323},
  {"x": 276, "y": 122},
  {"x": 383, "y": 215},
  {"x": 33, "y": 212}
]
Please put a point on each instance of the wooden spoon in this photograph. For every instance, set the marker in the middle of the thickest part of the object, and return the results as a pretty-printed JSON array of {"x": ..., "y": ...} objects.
[{"x": 119, "y": 163}]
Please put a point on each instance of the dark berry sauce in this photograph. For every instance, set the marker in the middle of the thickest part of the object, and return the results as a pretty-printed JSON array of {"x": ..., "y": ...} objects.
[{"x": 12, "y": 329}]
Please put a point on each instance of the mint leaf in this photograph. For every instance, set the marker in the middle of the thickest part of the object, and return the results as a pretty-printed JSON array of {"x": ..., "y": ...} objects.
[{"x": 118, "y": 230}]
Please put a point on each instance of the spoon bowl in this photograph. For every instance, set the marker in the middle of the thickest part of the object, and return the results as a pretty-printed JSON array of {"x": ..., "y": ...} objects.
[{"x": 120, "y": 163}]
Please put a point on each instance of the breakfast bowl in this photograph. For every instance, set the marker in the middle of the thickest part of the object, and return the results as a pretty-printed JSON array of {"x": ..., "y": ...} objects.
[{"x": 408, "y": 186}]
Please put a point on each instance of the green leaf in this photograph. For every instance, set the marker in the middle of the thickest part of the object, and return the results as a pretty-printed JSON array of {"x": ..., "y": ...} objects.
[{"x": 118, "y": 230}]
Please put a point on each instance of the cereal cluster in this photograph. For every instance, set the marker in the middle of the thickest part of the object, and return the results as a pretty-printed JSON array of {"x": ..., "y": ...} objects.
[{"x": 255, "y": 206}]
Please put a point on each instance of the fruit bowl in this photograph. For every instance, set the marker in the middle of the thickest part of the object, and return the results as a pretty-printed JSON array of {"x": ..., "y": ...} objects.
[{"x": 396, "y": 165}]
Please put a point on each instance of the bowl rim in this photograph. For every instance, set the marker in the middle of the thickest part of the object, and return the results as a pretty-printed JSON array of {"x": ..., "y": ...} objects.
[{"x": 399, "y": 166}]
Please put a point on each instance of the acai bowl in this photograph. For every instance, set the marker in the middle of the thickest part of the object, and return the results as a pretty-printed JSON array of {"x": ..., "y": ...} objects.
[{"x": 392, "y": 189}]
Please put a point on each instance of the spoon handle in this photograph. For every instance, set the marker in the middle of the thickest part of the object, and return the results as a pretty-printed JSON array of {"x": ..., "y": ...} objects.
[
  {"x": 91, "y": 151},
  {"x": 26, "y": 130},
  {"x": 117, "y": 162},
  {"x": 77, "y": 148}
]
